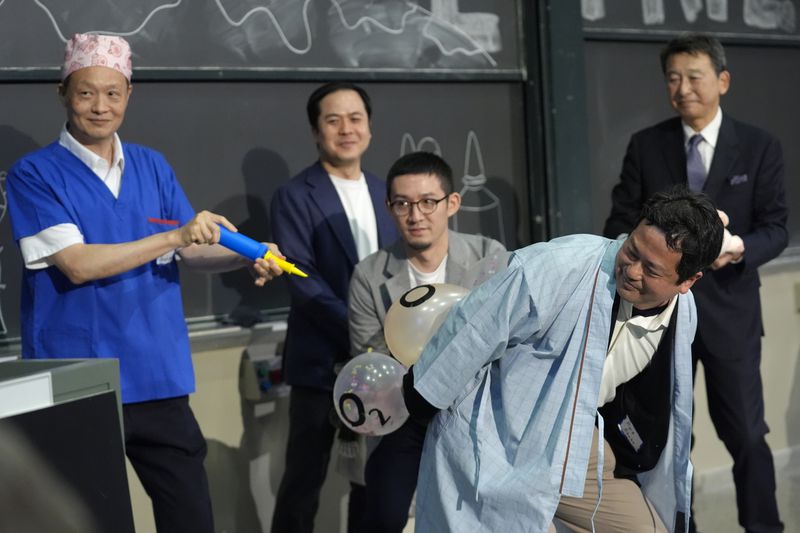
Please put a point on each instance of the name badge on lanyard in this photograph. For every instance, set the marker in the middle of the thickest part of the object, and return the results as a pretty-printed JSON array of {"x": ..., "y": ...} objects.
[{"x": 629, "y": 432}]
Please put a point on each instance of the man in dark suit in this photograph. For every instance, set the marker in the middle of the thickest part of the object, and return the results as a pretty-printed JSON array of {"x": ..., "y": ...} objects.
[
  {"x": 741, "y": 168},
  {"x": 331, "y": 216}
]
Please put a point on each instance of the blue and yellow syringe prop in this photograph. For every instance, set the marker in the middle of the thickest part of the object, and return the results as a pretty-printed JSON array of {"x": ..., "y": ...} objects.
[{"x": 251, "y": 249}]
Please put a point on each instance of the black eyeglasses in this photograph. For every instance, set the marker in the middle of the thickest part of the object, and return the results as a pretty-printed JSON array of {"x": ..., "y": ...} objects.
[{"x": 426, "y": 206}]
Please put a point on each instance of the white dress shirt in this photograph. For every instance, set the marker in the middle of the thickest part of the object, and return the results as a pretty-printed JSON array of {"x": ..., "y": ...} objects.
[
  {"x": 633, "y": 344},
  {"x": 710, "y": 135}
]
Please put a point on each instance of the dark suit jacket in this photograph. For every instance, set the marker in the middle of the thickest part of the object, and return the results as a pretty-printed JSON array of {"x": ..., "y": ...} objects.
[
  {"x": 746, "y": 181},
  {"x": 311, "y": 228}
]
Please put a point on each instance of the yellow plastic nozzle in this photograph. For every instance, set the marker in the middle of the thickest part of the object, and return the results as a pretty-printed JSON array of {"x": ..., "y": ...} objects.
[{"x": 285, "y": 265}]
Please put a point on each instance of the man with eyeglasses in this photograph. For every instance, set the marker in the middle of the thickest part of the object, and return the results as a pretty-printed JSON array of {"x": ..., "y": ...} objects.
[{"x": 420, "y": 198}]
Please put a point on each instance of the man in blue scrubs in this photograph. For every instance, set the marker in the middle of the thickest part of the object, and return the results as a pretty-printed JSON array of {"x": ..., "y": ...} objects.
[{"x": 99, "y": 224}]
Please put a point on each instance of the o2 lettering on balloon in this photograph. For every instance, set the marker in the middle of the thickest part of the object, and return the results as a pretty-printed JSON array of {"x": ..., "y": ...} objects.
[
  {"x": 418, "y": 300},
  {"x": 378, "y": 412},
  {"x": 362, "y": 417}
]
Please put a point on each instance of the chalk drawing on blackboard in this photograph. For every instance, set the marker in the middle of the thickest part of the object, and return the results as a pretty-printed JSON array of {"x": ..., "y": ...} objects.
[
  {"x": 407, "y": 35},
  {"x": 691, "y": 8},
  {"x": 483, "y": 27},
  {"x": 593, "y": 9},
  {"x": 770, "y": 14},
  {"x": 760, "y": 14},
  {"x": 363, "y": 33},
  {"x": 481, "y": 212},
  {"x": 290, "y": 29},
  {"x": 3, "y": 209},
  {"x": 426, "y": 144},
  {"x": 653, "y": 12},
  {"x": 128, "y": 33},
  {"x": 717, "y": 10}
]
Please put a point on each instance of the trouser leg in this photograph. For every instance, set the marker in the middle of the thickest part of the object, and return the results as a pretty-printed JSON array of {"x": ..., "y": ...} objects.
[
  {"x": 391, "y": 477},
  {"x": 308, "y": 451},
  {"x": 622, "y": 509},
  {"x": 355, "y": 508},
  {"x": 166, "y": 448},
  {"x": 736, "y": 406}
]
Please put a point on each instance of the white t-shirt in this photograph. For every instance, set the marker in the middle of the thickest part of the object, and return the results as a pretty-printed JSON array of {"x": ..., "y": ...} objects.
[
  {"x": 427, "y": 278},
  {"x": 357, "y": 204}
]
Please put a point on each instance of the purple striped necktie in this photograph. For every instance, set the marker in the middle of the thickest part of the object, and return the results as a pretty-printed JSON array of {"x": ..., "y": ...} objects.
[{"x": 695, "y": 170}]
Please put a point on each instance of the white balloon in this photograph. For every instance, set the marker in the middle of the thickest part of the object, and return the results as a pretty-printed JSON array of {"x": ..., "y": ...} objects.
[
  {"x": 485, "y": 269},
  {"x": 368, "y": 394},
  {"x": 413, "y": 319}
]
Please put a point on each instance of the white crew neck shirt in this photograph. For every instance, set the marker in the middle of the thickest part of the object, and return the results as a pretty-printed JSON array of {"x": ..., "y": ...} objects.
[{"x": 357, "y": 203}]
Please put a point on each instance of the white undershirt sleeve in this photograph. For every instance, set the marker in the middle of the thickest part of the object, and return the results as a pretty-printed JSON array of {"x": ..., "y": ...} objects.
[{"x": 37, "y": 249}]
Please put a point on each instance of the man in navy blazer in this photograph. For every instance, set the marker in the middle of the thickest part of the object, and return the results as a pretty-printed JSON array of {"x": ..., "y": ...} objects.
[
  {"x": 744, "y": 167},
  {"x": 330, "y": 216}
]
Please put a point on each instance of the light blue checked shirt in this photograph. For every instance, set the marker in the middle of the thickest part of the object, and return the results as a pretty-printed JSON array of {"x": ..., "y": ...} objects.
[{"x": 519, "y": 394}]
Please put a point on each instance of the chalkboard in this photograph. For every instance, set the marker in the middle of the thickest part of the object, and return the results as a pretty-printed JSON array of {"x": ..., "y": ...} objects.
[
  {"x": 731, "y": 20},
  {"x": 271, "y": 38},
  {"x": 233, "y": 143},
  {"x": 625, "y": 92}
]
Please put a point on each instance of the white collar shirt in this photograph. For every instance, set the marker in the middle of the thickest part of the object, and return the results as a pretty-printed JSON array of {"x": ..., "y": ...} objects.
[
  {"x": 710, "y": 135},
  {"x": 111, "y": 174},
  {"x": 633, "y": 344}
]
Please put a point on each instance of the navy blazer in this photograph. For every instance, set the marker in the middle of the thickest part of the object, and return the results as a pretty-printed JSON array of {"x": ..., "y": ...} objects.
[
  {"x": 310, "y": 226},
  {"x": 746, "y": 181}
]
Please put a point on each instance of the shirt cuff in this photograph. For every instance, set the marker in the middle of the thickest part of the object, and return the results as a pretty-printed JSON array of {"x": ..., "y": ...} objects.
[{"x": 737, "y": 244}]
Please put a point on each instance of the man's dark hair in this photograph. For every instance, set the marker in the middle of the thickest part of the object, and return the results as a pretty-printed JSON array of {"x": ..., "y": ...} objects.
[
  {"x": 695, "y": 44},
  {"x": 691, "y": 226},
  {"x": 312, "y": 107},
  {"x": 421, "y": 163}
]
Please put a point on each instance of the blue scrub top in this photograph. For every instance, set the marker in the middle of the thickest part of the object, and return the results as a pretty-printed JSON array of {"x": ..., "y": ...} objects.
[{"x": 136, "y": 316}]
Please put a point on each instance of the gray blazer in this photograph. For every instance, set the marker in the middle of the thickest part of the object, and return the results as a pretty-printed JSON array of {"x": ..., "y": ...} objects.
[{"x": 382, "y": 278}]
